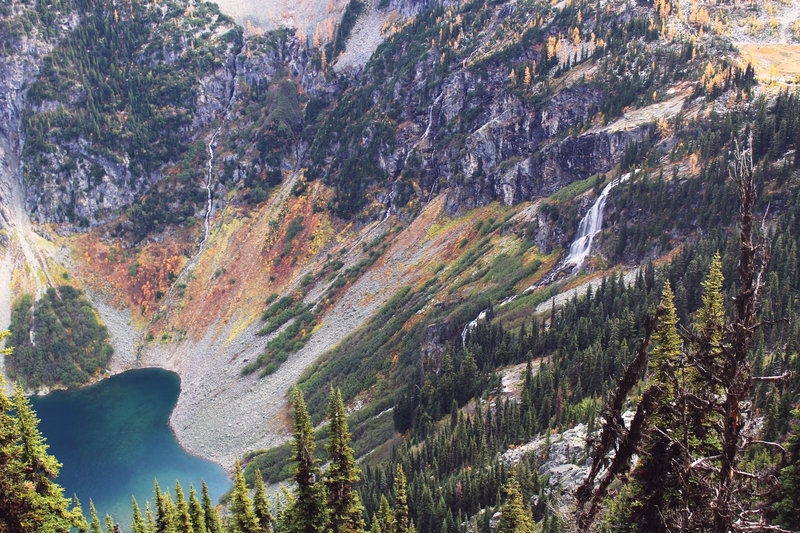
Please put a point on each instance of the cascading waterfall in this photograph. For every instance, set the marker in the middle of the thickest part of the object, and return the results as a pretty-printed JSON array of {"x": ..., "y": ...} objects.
[{"x": 590, "y": 226}]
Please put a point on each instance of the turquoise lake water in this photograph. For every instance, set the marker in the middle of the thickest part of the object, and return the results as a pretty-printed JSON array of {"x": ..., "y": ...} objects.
[{"x": 113, "y": 439}]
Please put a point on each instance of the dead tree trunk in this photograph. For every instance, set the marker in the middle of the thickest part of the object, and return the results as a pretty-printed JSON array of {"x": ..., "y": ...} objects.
[{"x": 737, "y": 378}]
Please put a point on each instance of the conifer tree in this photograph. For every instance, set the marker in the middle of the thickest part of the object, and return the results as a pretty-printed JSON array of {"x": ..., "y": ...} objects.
[
  {"x": 376, "y": 525},
  {"x": 82, "y": 526},
  {"x": 242, "y": 519},
  {"x": 213, "y": 524},
  {"x": 655, "y": 482},
  {"x": 94, "y": 526},
  {"x": 307, "y": 512},
  {"x": 385, "y": 516},
  {"x": 183, "y": 520},
  {"x": 261, "y": 505},
  {"x": 29, "y": 498},
  {"x": 789, "y": 502},
  {"x": 343, "y": 505},
  {"x": 400, "y": 501},
  {"x": 196, "y": 512},
  {"x": 164, "y": 518},
  {"x": 151, "y": 522},
  {"x": 515, "y": 516},
  {"x": 137, "y": 522}
]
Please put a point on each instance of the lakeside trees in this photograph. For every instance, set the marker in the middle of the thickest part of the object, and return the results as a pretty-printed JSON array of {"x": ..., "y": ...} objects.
[
  {"x": 59, "y": 339},
  {"x": 30, "y": 500}
]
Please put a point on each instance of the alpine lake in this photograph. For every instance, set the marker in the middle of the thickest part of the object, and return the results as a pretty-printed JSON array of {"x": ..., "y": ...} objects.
[{"x": 113, "y": 439}]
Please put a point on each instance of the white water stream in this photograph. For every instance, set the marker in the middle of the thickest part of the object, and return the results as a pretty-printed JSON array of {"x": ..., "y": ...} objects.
[{"x": 590, "y": 225}]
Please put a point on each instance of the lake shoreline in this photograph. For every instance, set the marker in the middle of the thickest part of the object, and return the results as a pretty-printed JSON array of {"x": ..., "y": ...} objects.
[{"x": 125, "y": 442}]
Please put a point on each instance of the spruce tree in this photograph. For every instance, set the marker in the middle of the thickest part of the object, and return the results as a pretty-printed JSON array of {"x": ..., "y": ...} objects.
[
  {"x": 196, "y": 512},
  {"x": 164, "y": 519},
  {"x": 83, "y": 525},
  {"x": 515, "y": 516},
  {"x": 213, "y": 524},
  {"x": 94, "y": 525},
  {"x": 344, "y": 508},
  {"x": 183, "y": 520},
  {"x": 30, "y": 500},
  {"x": 307, "y": 513},
  {"x": 655, "y": 481},
  {"x": 137, "y": 522},
  {"x": 400, "y": 501},
  {"x": 261, "y": 505},
  {"x": 789, "y": 494},
  {"x": 385, "y": 516},
  {"x": 151, "y": 522},
  {"x": 242, "y": 519}
]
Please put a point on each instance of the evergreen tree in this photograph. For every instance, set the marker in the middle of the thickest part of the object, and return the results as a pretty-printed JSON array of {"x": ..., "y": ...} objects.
[
  {"x": 242, "y": 519},
  {"x": 307, "y": 512},
  {"x": 29, "y": 498},
  {"x": 94, "y": 525},
  {"x": 164, "y": 519},
  {"x": 385, "y": 516},
  {"x": 343, "y": 505},
  {"x": 376, "y": 525},
  {"x": 196, "y": 512},
  {"x": 137, "y": 522},
  {"x": 261, "y": 505},
  {"x": 83, "y": 525},
  {"x": 213, "y": 524},
  {"x": 183, "y": 520},
  {"x": 655, "y": 480},
  {"x": 400, "y": 501},
  {"x": 789, "y": 502},
  {"x": 515, "y": 516},
  {"x": 151, "y": 522}
]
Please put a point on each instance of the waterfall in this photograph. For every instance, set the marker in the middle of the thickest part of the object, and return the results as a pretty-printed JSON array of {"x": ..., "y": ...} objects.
[
  {"x": 590, "y": 226},
  {"x": 472, "y": 325}
]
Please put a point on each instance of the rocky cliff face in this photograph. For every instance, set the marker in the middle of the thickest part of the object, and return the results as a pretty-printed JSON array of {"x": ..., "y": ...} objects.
[{"x": 177, "y": 76}]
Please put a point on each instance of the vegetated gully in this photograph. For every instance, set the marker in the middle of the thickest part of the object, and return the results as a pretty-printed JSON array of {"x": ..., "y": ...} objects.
[{"x": 208, "y": 186}]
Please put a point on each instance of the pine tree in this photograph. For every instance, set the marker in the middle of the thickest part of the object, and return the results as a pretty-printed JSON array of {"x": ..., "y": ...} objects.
[
  {"x": 376, "y": 525},
  {"x": 261, "y": 505},
  {"x": 83, "y": 525},
  {"x": 213, "y": 524},
  {"x": 655, "y": 481},
  {"x": 400, "y": 501},
  {"x": 137, "y": 522},
  {"x": 196, "y": 512},
  {"x": 164, "y": 519},
  {"x": 242, "y": 519},
  {"x": 711, "y": 317},
  {"x": 307, "y": 513},
  {"x": 94, "y": 525},
  {"x": 789, "y": 502},
  {"x": 515, "y": 516},
  {"x": 344, "y": 508},
  {"x": 385, "y": 516},
  {"x": 29, "y": 498},
  {"x": 183, "y": 520},
  {"x": 151, "y": 522}
]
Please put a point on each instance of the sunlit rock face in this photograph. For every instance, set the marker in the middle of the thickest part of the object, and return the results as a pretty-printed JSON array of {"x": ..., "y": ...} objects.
[{"x": 270, "y": 14}]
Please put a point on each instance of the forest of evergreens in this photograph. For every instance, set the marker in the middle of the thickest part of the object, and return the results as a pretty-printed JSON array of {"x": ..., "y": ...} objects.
[{"x": 58, "y": 340}]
